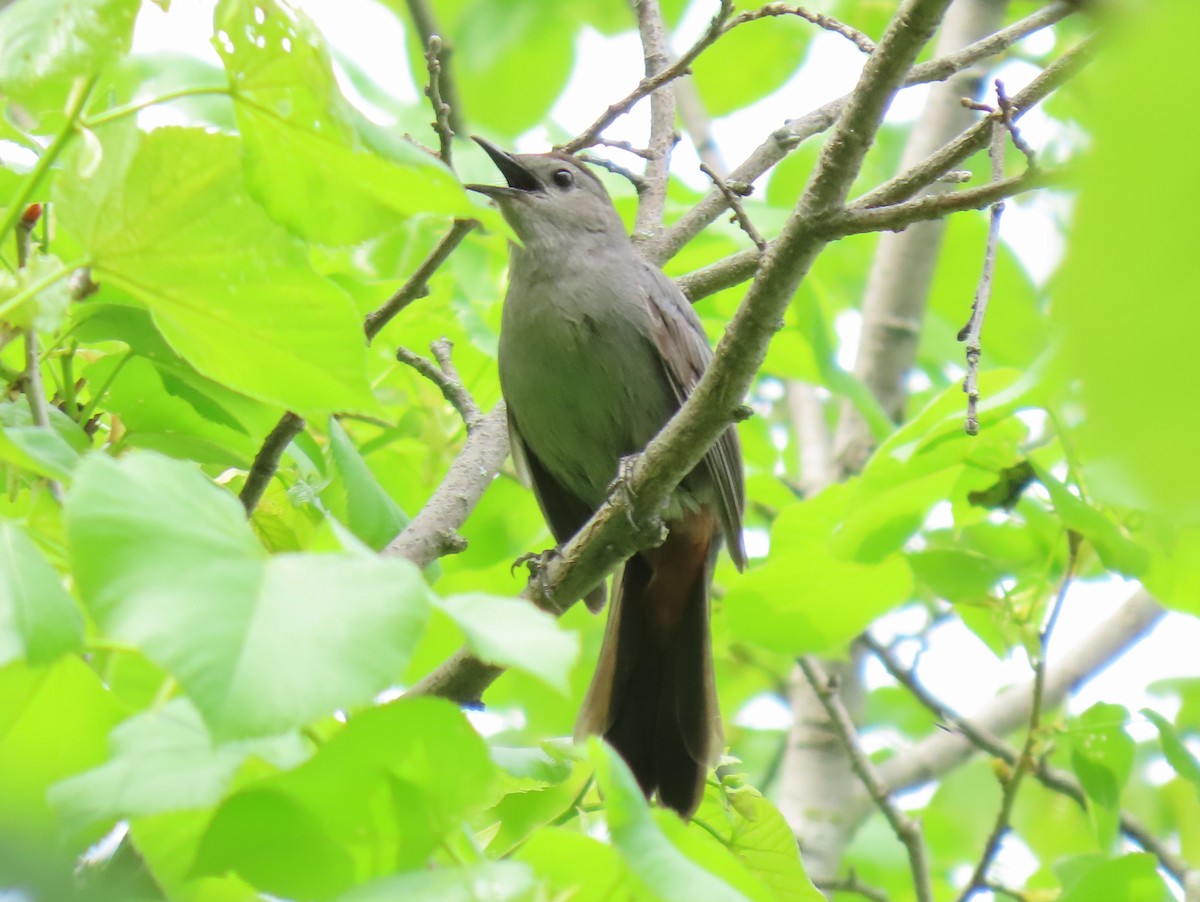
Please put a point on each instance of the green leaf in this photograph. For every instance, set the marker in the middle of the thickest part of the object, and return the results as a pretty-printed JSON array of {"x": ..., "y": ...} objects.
[
  {"x": 758, "y": 836},
  {"x": 377, "y": 798},
  {"x": 579, "y": 867},
  {"x": 38, "y": 618},
  {"x": 1102, "y": 758},
  {"x": 37, "y": 296},
  {"x": 489, "y": 881},
  {"x": 167, "y": 219},
  {"x": 1116, "y": 550},
  {"x": 764, "y": 55},
  {"x": 511, "y": 632},
  {"x": 1129, "y": 284},
  {"x": 150, "y": 752},
  {"x": 772, "y": 605},
  {"x": 661, "y": 866},
  {"x": 47, "y": 452},
  {"x": 42, "y": 40},
  {"x": 1130, "y": 878},
  {"x": 166, "y": 562},
  {"x": 511, "y": 60},
  {"x": 305, "y": 160},
  {"x": 54, "y": 722},
  {"x": 1177, "y": 754},
  {"x": 362, "y": 504}
]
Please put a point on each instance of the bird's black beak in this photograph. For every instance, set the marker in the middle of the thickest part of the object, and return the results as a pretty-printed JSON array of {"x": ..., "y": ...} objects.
[{"x": 520, "y": 179}]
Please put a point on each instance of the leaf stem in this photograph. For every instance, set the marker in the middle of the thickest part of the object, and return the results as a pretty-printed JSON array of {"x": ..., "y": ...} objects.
[
  {"x": 16, "y": 206},
  {"x": 120, "y": 112}
]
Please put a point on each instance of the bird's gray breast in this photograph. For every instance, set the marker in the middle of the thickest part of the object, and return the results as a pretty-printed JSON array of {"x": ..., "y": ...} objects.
[{"x": 579, "y": 369}]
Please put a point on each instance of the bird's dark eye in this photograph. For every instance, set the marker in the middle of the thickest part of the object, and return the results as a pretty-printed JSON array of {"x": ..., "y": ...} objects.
[{"x": 563, "y": 178}]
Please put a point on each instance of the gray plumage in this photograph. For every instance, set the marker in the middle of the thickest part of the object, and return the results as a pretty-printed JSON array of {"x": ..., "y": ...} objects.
[{"x": 598, "y": 349}]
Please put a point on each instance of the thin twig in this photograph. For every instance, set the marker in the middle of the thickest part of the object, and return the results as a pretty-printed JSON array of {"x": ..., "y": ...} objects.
[
  {"x": 851, "y": 884},
  {"x": 626, "y": 146},
  {"x": 446, "y": 378},
  {"x": 907, "y": 830},
  {"x": 1026, "y": 761},
  {"x": 427, "y": 27},
  {"x": 735, "y": 204},
  {"x": 853, "y": 35},
  {"x": 639, "y": 183},
  {"x": 719, "y": 25},
  {"x": 290, "y": 425},
  {"x": 416, "y": 287},
  {"x": 971, "y": 332},
  {"x": 951, "y": 155},
  {"x": 1008, "y": 112},
  {"x": 651, "y": 82},
  {"x": 784, "y": 140},
  {"x": 441, "y": 109},
  {"x": 739, "y": 267}
]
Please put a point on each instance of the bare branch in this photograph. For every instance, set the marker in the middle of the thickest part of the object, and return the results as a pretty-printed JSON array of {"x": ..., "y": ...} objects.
[
  {"x": 433, "y": 531},
  {"x": 853, "y": 35},
  {"x": 416, "y": 287},
  {"x": 427, "y": 27},
  {"x": 787, "y": 138},
  {"x": 441, "y": 109},
  {"x": 941, "y": 752},
  {"x": 971, "y": 332},
  {"x": 444, "y": 375},
  {"x": 735, "y": 203},
  {"x": 907, "y": 830},
  {"x": 639, "y": 183},
  {"x": 976, "y": 138},
  {"x": 266, "y": 461}
]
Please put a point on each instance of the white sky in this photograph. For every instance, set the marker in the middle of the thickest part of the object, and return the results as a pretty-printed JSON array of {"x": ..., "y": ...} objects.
[{"x": 956, "y": 666}]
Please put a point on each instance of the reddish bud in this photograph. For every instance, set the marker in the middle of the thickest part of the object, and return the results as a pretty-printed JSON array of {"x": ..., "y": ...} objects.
[{"x": 32, "y": 214}]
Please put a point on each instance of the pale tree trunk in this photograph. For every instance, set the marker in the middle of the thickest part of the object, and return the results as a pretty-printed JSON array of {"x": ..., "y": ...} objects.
[{"x": 818, "y": 787}]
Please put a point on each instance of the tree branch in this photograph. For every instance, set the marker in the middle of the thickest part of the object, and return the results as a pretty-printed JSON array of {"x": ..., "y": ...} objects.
[
  {"x": 630, "y": 518},
  {"x": 417, "y": 285},
  {"x": 976, "y": 137},
  {"x": 266, "y": 461},
  {"x": 784, "y": 140},
  {"x": 1052, "y": 778},
  {"x": 931, "y": 757},
  {"x": 444, "y": 375},
  {"x": 907, "y": 830},
  {"x": 652, "y": 199},
  {"x": 441, "y": 109},
  {"x": 433, "y": 531}
]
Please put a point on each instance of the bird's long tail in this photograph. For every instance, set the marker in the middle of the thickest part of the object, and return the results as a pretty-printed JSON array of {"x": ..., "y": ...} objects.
[{"x": 653, "y": 695}]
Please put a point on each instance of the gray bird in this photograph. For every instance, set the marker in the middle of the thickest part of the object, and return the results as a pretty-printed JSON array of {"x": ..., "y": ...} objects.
[{"x": 598, "y": 349}]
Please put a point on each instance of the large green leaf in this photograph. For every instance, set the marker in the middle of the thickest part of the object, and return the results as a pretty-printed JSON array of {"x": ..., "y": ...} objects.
[
  {"x": 38, "y": 618},
  {"x": 149, "y": 753},
  {"x": 658, "y": 863},
  {"x": 513, "y": 633},
  {"x": 808, "y": 597},
  {"x": 377, "y": 798},
  {"x": 47, "y": 452},
  {"x": 54, "y": 722},
  {"x": 1127, "y": 301},
  {"x": 1178, "y": 755},
  {"x": 166, "y": 562},
  {"x": 1102, "y": 757},
  {"x": 489, "y": 881},
  {"x": 1130, "y": 878},
  {"x": 166, "y": 218},
  {"x": 357, "y": 498},
  {"x": 305, "y": 160},
  {"x": 579, "y": 867},
  {"x": 58, "y": 40},
  {"x": 764, "y": 54}
]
